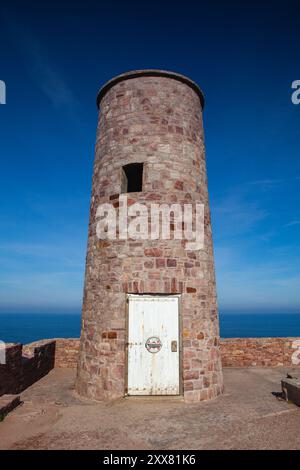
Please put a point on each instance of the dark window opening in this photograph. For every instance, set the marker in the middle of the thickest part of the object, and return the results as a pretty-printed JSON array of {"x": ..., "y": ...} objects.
[{"x": 132, "y": 178}]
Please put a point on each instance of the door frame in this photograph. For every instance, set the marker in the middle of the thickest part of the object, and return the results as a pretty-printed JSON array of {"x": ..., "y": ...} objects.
[{"x": 180, "y": 351}]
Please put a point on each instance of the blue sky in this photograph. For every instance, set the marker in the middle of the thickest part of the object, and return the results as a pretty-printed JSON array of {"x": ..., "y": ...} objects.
[{"x": 55, "y": 56}]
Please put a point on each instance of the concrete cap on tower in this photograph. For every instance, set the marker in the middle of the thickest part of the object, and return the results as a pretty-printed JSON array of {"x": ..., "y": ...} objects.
[{"x": 149, "y": 73}]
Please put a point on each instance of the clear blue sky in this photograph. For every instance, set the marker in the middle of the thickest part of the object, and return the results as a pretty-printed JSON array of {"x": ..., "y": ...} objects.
[{"x": 55, "y": 56}]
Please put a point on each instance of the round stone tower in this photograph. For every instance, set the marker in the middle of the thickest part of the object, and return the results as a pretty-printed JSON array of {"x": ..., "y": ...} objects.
[{"x": 150, "y": 321}]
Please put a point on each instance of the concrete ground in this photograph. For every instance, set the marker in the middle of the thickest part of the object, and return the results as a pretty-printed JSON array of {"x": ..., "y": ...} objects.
[{"x": 247, "y": 416}]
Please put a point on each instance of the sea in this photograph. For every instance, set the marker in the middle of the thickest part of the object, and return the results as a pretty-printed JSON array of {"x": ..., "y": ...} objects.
[{"x": 28, "y": 327}]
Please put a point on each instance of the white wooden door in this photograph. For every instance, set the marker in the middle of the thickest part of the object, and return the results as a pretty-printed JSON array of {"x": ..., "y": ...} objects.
[{"x": 153, "y": 345}]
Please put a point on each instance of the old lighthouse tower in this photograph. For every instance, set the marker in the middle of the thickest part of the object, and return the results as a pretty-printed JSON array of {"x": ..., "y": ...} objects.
[{"x": 150, "y": 320}]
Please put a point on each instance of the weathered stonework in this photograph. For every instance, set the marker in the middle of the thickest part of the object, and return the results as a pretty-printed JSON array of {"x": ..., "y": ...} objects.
[
  {"x": 235, "y": 352},
  {"x": 260, "y": 352},
  {"x": 152, "y": 117},
  {"x": 25, "y": 365},
  {"x": 66, "y": 353}
]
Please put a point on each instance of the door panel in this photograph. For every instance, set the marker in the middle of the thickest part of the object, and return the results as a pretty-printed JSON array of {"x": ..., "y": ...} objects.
[{"x": 153, "y": 345}]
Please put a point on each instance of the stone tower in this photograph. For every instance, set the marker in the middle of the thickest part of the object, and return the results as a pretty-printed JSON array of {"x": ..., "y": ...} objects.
[{"x": 149, "y": 147}]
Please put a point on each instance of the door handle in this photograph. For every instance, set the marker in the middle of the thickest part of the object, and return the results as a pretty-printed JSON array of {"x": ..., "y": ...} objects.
[{"x": 174, "y": 346}]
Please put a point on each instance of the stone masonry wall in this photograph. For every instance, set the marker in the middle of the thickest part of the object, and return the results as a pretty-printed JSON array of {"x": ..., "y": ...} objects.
[
  {"x": 66, "y": 353},
  {"x": 235, "y": 352},
  {"x": 24, "y": 366},
  {"x": 269, "y": 352}
]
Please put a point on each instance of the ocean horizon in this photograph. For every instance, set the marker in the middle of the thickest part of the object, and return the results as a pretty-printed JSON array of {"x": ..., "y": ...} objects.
[{"x": 28, "y": 327}]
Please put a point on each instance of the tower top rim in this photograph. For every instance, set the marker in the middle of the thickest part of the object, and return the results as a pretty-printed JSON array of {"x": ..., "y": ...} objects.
[{"x": 149, "y": 73}]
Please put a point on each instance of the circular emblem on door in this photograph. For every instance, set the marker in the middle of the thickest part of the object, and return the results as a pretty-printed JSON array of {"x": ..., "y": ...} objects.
[{"x": 153, "y": 344}]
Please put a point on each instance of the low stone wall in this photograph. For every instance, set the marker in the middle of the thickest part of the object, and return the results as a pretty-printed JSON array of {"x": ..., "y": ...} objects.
[
  {"x": 66, "y": 352},
  {"x": 27, "y": 364},
  {"x": 264, "y": 352},
  {"x": 24, "y": 366},
  {"x": 236, "y": 352}
]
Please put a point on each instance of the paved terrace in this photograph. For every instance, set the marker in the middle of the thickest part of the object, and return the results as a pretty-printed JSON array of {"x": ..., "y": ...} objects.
[{"x": 247, "y": 416}]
